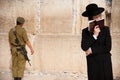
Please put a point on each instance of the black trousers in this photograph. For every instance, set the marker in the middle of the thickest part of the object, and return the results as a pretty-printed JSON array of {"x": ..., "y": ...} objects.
[{"x": 99, "y": 67}]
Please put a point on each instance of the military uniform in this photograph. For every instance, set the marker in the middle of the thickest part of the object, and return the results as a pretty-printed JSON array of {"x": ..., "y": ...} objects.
[{"x": 18, "y": 60}]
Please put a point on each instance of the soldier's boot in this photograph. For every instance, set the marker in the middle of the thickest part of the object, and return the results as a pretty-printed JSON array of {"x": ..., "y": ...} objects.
[
  {"x": 19, "y": 78},
  {"x": 15, "y": 78}
]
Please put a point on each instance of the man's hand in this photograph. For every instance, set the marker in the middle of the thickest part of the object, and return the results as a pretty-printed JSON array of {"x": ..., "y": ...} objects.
[
  {"x": 88, "y": 52},
  {"x": 96, "y": 31}
]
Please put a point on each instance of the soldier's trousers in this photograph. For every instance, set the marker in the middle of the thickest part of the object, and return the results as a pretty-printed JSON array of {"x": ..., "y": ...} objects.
[{"x": 18, "y": 63}]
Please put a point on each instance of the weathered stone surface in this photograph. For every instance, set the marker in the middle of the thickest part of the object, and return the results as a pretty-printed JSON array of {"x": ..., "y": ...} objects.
[
  {"x": 46, "y": 76},
  {"x": 115, "y": 17},
  {"x": 115, "y": 30},
  {"x": 59, "y": 52},
  {"x": 115, "y": 55},
  {"x": 56, "y": 16},
  {"x": 5, "y": 56},
  {"x": 11, "y": 9},
  {"x": 49, "y": 76}
]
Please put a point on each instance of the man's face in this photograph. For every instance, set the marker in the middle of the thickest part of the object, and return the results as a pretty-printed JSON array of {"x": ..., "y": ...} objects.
[{"x": 97, "y": 17}]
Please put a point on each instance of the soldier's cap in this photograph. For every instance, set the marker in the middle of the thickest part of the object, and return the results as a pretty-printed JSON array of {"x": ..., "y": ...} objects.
[{"x": 20, "y": 20}]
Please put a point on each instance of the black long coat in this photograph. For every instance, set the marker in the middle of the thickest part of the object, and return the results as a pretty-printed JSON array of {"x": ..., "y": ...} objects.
[{"x": 99, "y": 65}]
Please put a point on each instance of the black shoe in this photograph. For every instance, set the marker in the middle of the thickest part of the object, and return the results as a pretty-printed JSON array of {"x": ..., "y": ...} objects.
[
  {"x": 15, "y": 78},
  {"x": 19, "y": 78}
]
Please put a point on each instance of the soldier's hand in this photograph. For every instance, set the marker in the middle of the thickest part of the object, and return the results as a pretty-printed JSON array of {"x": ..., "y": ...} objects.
[
  {"x": 32, "y": 52},
  {"x": 29, "y": 45}
]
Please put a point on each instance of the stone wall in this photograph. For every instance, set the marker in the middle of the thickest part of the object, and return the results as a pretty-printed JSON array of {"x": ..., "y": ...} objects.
[
  {"x": 115, "y": 30},
  {"x": 54, "y": 29}
]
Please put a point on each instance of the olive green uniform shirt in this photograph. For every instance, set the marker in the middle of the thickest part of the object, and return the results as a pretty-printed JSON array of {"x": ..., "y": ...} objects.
[{"x": 21, "y": 34}]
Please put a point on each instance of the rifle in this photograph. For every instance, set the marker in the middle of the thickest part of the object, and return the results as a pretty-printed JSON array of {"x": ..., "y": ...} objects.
[{"x": 21, "y": 49}]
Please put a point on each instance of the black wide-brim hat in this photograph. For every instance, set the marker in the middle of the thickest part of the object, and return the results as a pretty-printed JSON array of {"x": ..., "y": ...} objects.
[{"x": 92, "y": 10}]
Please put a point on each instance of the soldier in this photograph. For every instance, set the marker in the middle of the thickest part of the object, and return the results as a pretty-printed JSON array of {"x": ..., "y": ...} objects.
[{"x": 18, "y": 60}]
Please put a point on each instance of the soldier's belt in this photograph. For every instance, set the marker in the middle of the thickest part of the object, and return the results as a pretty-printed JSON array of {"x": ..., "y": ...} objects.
[
  {"x": 18, "y": 49},
  {"x": 18, "y": 45}
]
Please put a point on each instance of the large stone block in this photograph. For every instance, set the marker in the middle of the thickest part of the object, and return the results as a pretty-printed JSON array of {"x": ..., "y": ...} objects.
[
  {"x": 56, "y": 16},
  {"x": 116, "y": 55},
  {"x": 5, "y": 55},
  {"x": 59, "y": 53},
  {"x": 115, "y": 17},
  {"x": 115, "y": 30},
  {"x": 11, "y": 9}
]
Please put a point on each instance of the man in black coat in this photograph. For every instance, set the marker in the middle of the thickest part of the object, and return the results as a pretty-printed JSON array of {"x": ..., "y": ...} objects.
[{"x": 97, "y": 46}]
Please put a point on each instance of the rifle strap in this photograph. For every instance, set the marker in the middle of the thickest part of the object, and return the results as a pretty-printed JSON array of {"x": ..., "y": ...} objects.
[{"x": 15, "y": 33}]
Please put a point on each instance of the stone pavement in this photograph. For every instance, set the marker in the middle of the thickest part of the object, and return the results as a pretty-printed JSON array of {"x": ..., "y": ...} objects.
[{"x": 48, "y": 76}]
